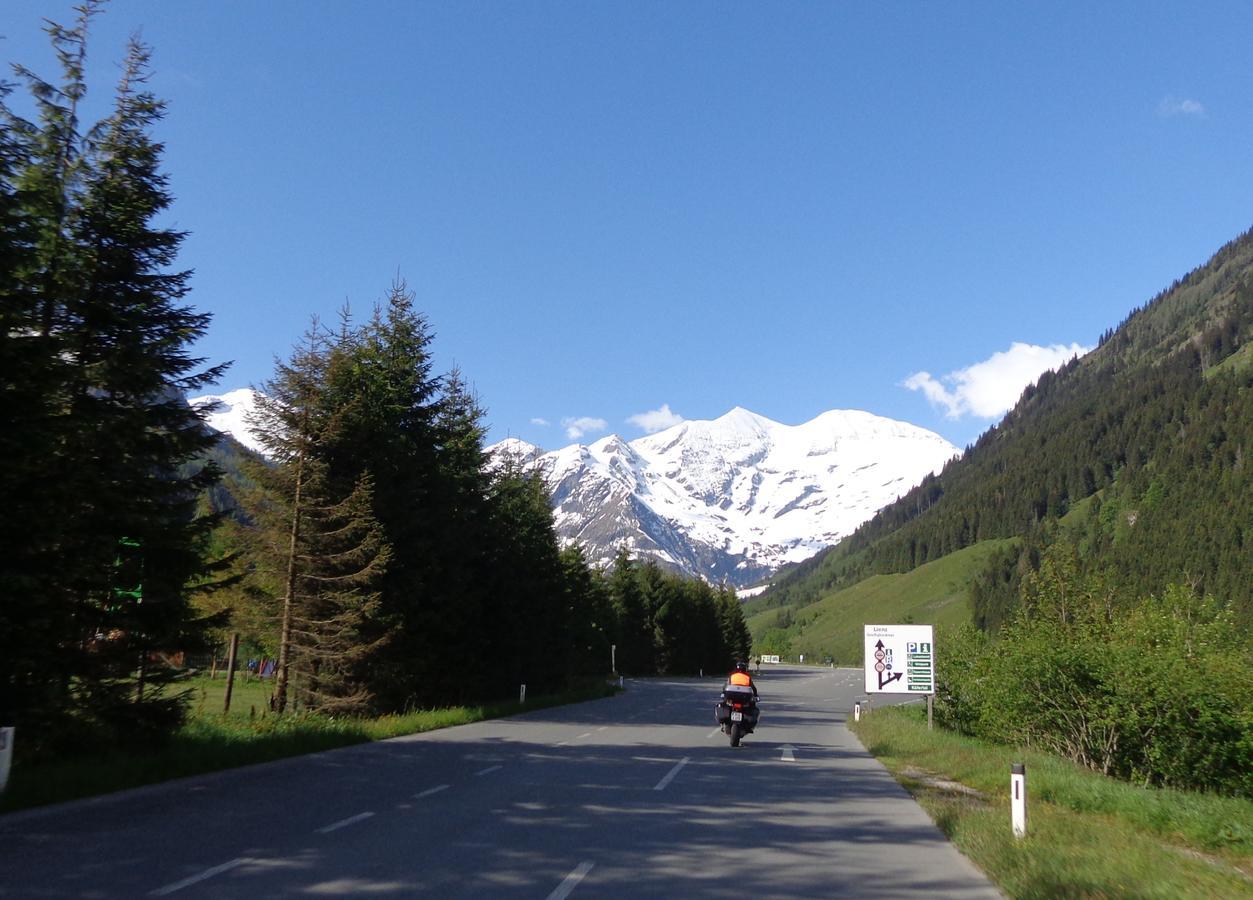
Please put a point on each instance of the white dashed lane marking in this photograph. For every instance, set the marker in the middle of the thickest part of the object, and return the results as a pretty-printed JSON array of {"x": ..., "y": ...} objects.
[
  {"x": 571, "y": 881},
  {"x": 661, "y": 785},
  {"x": 196, "y": 879},
  {"x": 344, "y": 823}
]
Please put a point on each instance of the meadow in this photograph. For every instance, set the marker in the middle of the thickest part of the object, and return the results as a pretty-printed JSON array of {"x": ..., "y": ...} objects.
[{"x": 1088, "y": 835}]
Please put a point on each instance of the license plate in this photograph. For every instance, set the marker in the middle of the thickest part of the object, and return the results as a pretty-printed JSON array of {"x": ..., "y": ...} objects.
[{"x": 737, "y": 717}]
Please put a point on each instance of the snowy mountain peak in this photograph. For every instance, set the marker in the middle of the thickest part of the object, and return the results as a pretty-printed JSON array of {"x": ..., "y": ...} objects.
[
  {"x": 737, "y": 496},
  {"x": 230, "y": 414},
  {"x": 742, "y": 419}
]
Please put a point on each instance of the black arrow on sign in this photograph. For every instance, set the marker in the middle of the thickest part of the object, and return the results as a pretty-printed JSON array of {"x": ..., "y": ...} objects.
[{"x": 889, "y": 679}]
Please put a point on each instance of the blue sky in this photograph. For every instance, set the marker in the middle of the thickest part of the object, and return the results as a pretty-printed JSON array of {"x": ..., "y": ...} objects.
[{"x": 611, "y": 210}]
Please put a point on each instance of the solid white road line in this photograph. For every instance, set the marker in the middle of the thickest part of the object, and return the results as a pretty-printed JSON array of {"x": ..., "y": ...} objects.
[
  {"x": 343, "y": 823},
  {"x": 488, "y": 769},
  {"x": 712, "y": 733},
  {"x": 661, "y": 785},
  {"x": 571, "y": 881},
  {"x": 583, "y": 735},
  {"x": 429, "y": 791},
  {"x": 195, "y": 879},
  {"x": 602, "y": 728}
]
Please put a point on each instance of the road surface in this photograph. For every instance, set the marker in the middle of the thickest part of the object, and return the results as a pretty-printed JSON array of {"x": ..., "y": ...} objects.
[{"x": 637, "y": 795}]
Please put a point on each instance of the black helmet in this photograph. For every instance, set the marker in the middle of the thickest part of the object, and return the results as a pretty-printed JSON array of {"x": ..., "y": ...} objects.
[{"x": 741, "y": 666}]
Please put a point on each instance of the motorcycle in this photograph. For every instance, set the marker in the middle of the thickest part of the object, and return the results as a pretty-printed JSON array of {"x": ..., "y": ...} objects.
[{"x": 737, "y": 712}]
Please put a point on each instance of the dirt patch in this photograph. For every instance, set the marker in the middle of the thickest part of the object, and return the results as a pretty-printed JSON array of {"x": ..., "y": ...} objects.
[
  {"x": 1223, "y": 865},
  {"x": 943, "y": 785}
]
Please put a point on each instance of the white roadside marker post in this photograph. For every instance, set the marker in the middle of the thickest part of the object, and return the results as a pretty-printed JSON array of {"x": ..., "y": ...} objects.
[
  {"x": 6, "y": 753},
  {"x": 522, "y": 694},
  {"x": 1018, "y": 799},
  {"x": 857, "y": 711}
]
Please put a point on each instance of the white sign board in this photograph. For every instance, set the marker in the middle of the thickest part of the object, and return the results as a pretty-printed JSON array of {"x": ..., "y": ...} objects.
[{"x": 900, "y": 659}]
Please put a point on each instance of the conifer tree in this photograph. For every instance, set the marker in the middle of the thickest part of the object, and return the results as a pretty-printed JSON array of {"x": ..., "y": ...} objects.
[
  {"x": 527, "y": 616},
  {"x": 593, "y": 627},
  {"x": 736, "y": 641},
  {"x": 323, "y": 550},
  {"x": 389, "y": 401},
  {"x": 635, "y": 625},
  {"x": 101, "y": 428}
]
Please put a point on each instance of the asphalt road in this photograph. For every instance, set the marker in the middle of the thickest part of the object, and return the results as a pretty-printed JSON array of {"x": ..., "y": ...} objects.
[{"x": 637, "y": 795}]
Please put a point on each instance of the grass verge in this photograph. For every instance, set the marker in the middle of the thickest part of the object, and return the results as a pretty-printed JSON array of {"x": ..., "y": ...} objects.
[
  {"x": 1088, "y": 836},
  {"x": 210, "y": 741}
]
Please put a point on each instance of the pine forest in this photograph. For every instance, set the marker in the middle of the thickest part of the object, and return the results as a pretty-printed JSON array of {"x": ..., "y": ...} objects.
[{"x": 371, "y": 552}]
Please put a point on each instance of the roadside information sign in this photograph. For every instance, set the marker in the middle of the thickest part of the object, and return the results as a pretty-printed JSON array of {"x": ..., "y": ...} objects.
[{"x": 900, "y": 659}]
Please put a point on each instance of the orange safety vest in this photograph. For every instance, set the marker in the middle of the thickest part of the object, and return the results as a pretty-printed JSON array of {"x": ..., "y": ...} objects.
[{"x": 741, "y": 678}]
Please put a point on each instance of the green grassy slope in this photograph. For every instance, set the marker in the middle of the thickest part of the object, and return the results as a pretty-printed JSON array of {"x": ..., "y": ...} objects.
[{"x": 933, "y": 594}]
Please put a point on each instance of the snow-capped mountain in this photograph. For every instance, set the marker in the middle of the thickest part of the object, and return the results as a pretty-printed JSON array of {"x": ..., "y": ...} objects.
[
  {"x": 735, "y": 497},
  {"x": 230, "y": 416}
]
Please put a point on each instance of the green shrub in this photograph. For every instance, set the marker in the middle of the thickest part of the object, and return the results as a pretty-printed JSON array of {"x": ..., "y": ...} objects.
[{"x": 1161, "y": 693}]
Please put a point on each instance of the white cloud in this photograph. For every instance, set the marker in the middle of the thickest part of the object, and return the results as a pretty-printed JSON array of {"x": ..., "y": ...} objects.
[
  {"x": 544, "y": 423},
  {"x": 1172, "y": 106},
  {"x": 989, "y": 388},
  {"x": 577, "y": 428},
  {"x": 655, "y": 419}
]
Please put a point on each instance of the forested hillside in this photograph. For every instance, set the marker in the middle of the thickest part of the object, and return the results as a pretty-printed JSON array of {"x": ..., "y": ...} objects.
[
  {"x": 1136, "y": 452},
  {"x": 1114, "y": 622}
]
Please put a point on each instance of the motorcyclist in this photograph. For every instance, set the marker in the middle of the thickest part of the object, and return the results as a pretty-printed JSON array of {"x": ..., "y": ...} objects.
[{"x": 741, "y": 678}]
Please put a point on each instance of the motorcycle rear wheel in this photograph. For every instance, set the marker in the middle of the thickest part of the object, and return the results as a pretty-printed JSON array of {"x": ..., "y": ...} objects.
[{"x": 737, "y": 732}]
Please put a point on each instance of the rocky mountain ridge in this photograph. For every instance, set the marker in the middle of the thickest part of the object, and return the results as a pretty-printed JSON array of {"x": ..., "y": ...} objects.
[{"x": 736, "y": 497}]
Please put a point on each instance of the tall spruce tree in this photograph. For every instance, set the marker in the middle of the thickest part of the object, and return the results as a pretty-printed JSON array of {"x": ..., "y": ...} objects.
[
  {"x": 317, "y": 539},
  {"x": 101, "y": 426},
  {"x": 634, "y": 619},
  {"x": 593, "y": 627},
  {"x": 390, "y": 401},
  {"x": 459, "y": 499},
  {"x": 736, "y": 641},
  {"x": 526, "y": 621}
]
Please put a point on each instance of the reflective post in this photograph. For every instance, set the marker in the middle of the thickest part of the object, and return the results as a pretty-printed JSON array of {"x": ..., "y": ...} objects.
[
  {"x": 1018, "y": 799},
  {"x": 6, "y": 754}
]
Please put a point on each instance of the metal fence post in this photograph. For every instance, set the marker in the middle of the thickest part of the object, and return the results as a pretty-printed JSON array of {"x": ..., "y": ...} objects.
[{"x": 232, "y": 657}]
